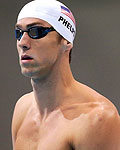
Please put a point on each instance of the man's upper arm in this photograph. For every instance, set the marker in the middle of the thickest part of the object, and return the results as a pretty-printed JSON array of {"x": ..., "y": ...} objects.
[
  {"x": 102, "y": 131},
  {"x": 20, "y": 110},
  {"x": 17, "y": 118},
  {"x": 107, "y": 130}
]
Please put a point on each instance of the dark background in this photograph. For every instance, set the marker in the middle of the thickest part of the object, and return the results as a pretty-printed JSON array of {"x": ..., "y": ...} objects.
[{"x": 95, "y": 57}]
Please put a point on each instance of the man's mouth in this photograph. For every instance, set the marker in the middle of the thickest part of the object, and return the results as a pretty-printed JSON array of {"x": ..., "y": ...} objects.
[{"x": 26, "y": 57}]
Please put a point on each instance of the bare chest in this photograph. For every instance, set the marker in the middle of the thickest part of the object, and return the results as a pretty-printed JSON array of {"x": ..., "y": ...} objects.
[{"x": 51, "y": 134}]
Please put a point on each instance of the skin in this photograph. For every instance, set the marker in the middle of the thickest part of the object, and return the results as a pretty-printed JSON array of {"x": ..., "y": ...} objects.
[{"x": 60, "y": 113}]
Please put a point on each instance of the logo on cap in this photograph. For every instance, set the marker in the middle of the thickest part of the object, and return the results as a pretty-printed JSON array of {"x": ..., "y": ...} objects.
[{"x": 68, "y": 13}]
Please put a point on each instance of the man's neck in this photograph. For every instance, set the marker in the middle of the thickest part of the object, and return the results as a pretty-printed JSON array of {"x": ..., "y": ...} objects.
[{"x": 53, "y": 91}]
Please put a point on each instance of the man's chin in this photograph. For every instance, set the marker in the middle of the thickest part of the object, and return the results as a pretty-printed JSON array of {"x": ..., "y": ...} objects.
[
  {"x": 33, "y": 73},
  {"x": 27, "y": 73}
]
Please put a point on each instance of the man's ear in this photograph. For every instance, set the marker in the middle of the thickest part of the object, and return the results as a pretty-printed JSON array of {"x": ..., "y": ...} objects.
[{"x": 68, "y": 46}]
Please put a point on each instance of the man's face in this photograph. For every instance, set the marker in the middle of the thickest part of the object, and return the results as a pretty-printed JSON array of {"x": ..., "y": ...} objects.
[{"x": 37, "y": 56}]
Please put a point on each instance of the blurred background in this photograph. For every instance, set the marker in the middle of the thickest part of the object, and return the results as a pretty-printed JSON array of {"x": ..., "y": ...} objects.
[{"x": 95, "y": 56}]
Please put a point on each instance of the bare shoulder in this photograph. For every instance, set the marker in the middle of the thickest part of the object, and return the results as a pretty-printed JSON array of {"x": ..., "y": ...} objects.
[
  {"x": 98, "y": 129},
  {"x": 90, "y": 103},
  {"x": 23, "y": 104},
  {"x": 104, "y": 119},
  {"x": 20, "y": 110},
  {"x": 25, "y": 99},
  {"x": 98, "y": 125},
  {"x": 97, "y": 104}
]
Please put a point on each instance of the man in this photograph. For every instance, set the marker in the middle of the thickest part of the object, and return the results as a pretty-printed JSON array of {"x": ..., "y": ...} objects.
[{"x": 60, "y": 113}]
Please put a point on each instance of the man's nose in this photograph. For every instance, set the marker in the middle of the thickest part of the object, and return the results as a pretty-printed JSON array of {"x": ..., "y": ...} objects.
[{"x": 25, "y": 42}]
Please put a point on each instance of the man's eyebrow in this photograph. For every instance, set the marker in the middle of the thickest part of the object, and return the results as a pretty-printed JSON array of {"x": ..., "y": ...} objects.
[
  {"x": 33, "y": 24},
  {"x": 17, "y": 26},
  {"x": 29, "y": 25}
]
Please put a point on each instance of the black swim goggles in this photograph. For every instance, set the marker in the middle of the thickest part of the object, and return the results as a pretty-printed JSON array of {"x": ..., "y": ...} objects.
[{"x": 35, "y": 32}]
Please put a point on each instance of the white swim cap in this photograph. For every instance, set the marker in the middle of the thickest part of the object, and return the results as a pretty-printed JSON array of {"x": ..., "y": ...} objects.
[{"x": 53, "y": 12}]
